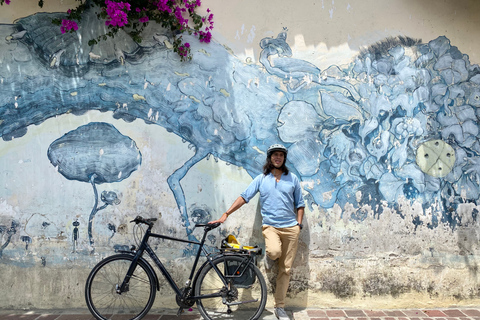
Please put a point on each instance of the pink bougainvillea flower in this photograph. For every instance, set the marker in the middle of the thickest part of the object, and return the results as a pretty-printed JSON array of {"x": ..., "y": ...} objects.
[
  {"x": 117, "y": 15},
  {"x": 68, "y": 25},
  {"x": 191, "y": 6},
  {"x": 184, "y": 50},
  {"x": 181, "y": 20},
  {"x": 7, "y": 1},
  {"x": 205, "y": 36},
  {"x": 143, "y": 19},
  {"x": 162, "y": 5}
]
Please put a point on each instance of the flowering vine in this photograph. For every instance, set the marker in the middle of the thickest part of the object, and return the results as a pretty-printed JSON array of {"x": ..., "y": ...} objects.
[{"x": 133, "y": 16}]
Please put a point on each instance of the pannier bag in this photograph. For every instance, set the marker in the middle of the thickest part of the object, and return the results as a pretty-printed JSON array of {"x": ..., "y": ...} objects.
[{"x": 243, "y": 277}]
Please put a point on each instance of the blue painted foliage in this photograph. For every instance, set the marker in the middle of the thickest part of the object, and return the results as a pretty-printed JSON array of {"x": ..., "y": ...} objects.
[{"x": 95, "y": 149}]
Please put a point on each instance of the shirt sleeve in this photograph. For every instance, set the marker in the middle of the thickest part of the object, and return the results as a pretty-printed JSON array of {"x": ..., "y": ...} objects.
[
  {"x": 252, "y": 189},
  {"x": 297, "y": 194}
]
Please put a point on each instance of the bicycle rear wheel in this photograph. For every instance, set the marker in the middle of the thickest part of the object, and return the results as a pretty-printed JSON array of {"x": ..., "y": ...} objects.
[
  {"x": 101, "y": 295},
  {"x": 244, "y": 300}
]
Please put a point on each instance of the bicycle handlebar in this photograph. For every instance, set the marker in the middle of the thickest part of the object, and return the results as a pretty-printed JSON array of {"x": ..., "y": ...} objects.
[
  {"x": 208, "y": 226},
  {"x": 148, "y": 221}
]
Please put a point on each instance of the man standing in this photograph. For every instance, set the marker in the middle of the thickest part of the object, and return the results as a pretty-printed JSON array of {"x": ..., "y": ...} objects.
[{"x": 282, "y": 209}]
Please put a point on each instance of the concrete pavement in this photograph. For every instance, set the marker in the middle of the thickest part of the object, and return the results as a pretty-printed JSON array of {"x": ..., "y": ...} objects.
[{"x": 472, "y": 313}]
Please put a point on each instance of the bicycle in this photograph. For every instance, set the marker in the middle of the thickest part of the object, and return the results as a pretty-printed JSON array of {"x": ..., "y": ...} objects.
[{"x": 227, "y": 285}]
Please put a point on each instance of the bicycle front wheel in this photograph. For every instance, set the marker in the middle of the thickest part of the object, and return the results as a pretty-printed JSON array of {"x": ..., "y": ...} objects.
[
  {"x": 243, "y": 298},
  {"x": 101, "y": 295}
]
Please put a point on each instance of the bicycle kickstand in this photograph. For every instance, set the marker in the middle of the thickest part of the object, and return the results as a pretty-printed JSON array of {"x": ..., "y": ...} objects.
[{"x": 180, "y": 311}]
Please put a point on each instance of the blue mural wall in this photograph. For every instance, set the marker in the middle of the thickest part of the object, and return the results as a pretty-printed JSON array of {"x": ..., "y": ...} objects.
[{"x": 398, "y": 122}]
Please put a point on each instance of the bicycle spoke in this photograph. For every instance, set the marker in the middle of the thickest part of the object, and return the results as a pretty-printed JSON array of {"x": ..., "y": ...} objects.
[
  {"x": 134, "y": 276},
  {"x": 101, "y": 292},
  {"x": 243, "y": 301}
]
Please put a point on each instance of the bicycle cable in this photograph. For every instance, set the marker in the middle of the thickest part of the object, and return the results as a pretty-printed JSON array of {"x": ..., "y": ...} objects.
[{"x": 138, "y": 232}]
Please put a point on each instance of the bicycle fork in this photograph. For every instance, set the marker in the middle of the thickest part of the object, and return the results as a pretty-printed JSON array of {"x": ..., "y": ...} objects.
[{"x": 124, "y": 287}]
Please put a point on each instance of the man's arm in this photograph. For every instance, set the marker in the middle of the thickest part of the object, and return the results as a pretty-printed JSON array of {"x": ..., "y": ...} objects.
[
  {"x": 300, "y": 212},
  {"x": 235, "y": 206}
]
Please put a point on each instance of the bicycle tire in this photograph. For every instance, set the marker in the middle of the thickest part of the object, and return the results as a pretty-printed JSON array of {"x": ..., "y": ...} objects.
[
  {"x": 253, "y": 295},
  {"x": 100, "y": 289}
]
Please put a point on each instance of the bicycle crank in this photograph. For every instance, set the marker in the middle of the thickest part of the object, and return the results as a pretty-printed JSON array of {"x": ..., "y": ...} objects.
[{"x": 184, "y": 301}]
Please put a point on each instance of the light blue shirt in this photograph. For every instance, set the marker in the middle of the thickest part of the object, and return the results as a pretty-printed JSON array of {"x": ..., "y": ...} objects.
[{"x": 278, "y": 200}]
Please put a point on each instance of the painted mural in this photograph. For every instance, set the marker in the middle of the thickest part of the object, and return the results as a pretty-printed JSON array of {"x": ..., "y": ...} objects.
[
  {"x": 400, "y": 122},
  {"x": 95, "y": 153}
]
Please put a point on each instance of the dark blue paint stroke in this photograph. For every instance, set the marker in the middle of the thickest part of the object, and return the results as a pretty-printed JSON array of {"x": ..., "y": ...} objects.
[
  {"x": 27, "y": 240},
  {"x": 9, "y": 233}
]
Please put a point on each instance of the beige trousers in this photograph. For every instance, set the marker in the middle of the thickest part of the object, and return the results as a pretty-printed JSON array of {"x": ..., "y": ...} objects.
[{"x": 281, "y": 244}]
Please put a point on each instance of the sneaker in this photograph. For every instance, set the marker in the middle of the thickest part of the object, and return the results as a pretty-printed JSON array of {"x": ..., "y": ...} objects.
[
  {"x": 269, "y": 263},
  {"x": 281, "y": 314}
]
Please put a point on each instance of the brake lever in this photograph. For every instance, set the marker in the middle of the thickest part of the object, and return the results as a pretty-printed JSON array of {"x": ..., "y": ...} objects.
[{"x": 136, "y": 220}]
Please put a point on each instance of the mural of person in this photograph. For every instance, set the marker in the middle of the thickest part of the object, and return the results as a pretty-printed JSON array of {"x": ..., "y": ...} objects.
[
  {"x": 282, "y": 209},
  {"x": 75, "y": 235},
  {"x": 276, "y": 58},
  {"x": 27, "y": 240}
]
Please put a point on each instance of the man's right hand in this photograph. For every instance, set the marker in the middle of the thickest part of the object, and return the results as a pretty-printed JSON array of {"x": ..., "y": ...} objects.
[
  {"x": 222, "y": 218},
  {"x": 236, "y": 205}
]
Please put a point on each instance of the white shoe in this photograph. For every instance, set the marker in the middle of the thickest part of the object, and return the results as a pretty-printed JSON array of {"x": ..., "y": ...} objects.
[
  {"x": 269, "y": 263},
  {"x": 281, "y": 314}
]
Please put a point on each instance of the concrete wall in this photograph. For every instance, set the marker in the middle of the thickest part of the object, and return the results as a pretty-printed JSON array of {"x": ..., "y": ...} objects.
[{"x": 381, "y": 131}]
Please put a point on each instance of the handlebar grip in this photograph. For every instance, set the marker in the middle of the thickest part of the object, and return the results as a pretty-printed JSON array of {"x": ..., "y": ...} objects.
[
  {"x": 148, "y": 221},
  {"x": 137, "y": 219}
]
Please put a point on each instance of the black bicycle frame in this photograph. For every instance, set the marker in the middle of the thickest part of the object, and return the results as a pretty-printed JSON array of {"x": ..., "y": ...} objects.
[{"x": 144, "y": 246}]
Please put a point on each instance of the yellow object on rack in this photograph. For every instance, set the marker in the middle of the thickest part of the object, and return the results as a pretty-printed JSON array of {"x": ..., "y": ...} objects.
[{"x": 232, "y": 243}]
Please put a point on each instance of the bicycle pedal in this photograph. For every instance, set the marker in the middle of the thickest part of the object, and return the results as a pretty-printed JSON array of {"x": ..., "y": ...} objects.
[{"x": 180, "y": 311}]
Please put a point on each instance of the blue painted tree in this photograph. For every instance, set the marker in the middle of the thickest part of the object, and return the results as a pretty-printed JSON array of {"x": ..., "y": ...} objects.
[{"x": 96, "y": 153}]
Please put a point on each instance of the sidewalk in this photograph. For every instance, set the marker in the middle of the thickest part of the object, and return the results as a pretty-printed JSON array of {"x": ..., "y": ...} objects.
[{"x": 298, "y": 314}]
